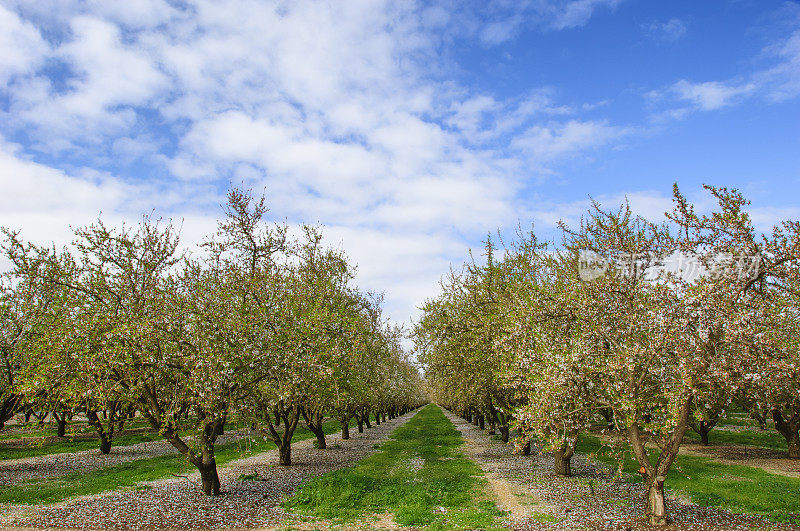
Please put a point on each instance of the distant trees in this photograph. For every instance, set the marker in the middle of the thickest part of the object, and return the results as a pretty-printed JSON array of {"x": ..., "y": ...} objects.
[
  {"x": 259, "y": 325},
  {"x": 656, "y": 327}
]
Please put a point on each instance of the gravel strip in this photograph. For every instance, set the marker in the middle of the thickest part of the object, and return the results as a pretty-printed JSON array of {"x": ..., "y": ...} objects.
[
  {"x": 179, "y": 503},
  {"x": 15, "y": 471},
  {"x": 549, "y": 502}
]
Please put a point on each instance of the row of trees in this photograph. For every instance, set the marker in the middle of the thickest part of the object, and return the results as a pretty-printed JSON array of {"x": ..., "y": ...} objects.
[
  {"x": 655, "y": 327},
  {"x": 262, "y": 325}
]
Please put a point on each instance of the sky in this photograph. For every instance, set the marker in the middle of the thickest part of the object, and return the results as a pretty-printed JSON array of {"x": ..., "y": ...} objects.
[{"x": 409, "y": 129}]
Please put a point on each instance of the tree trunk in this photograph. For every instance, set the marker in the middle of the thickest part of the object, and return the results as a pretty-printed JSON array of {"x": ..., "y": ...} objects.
[
  {"x": 8, "y": 408},
  {"x": 794, "y": 445},
  {"x": 608, "y": 415},
  {"x": 655, "y": 475},
  {"x": 345, "y": 428},
  {"x": 563, "y": 455},
  {"x": 285, "y": 454},
  {"x": 209, "y": 478},
  {"x": 377, "y": 419},
  {"x": 656, "y": 504},
  {"x": 561, "y": 464},
  {"x": 504, "y": 433},
  {"x": 106, "y": 432},
  {"x": 366, "y": 420},
  {"x": 105, "y": 444},
  {"x": 526, "y": 450},
  {"x": 321, "y": 443},
  {"x": 315, "y": 423},
  {"x": 481, "y": 422},
  {"x": 61, "y": 426},
  {"x": 704, "y": 429},
  {"x": 383, "y": 415},
  {"x": 790, "y": 429},
  {"x": 360, "y": 422}
]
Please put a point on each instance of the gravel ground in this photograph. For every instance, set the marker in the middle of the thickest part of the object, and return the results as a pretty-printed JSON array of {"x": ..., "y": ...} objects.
[
  {"x": 14, "y": 471},
  {"x": 543, "y": 501},
  {"x": 179, "y": 503}
]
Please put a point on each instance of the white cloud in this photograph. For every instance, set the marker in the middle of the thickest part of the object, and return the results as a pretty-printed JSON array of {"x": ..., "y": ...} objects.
[
  {"x": 777, "y": 82},
  {"x": 671, "y": 30},
  {"x": 502, "y": 30},
  {"x": 576, "y": 13},
  {"x": 138, "y": 14},
  {"x": 545, "y": 143},
  {"x": 329, "y": 107},
  {"x": 109, "y": 77},
  {"x": 765, "y": 218},
  {"x": 42, "y": 202},
  {"x": 711, "y": 95},
  {"x": 22, "y": 48},
  {"x": 782, "y": 81}
]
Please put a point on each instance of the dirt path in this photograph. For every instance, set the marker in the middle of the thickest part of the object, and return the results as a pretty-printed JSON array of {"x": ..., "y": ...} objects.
[
  {"x": 179, "y": 503},
  {"x": 536, "y": 499}
]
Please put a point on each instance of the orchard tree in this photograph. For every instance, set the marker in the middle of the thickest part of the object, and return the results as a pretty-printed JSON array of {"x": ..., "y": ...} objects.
[
  {"x": 547, "y": 345},
  {"x": 740, "y": 310},
  {"x": 27, "y": 309}
]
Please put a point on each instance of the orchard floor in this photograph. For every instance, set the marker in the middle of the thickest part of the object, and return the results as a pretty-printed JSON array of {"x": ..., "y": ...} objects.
[
  {"x": 253, "y": 488},
  {"x": 15, "y": 471},
  {"x": 538, "y": 500},
  {"x": 252, "y": 491}
]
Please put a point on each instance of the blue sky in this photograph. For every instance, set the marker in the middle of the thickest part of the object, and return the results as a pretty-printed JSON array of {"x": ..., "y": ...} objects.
[{"x": 409, "y": 129}]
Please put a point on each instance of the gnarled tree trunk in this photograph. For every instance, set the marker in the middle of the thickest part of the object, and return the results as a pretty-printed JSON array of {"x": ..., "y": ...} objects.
[
  {"x": 61, "y": 423},
  {"x": 656, "y": 503},
  {"x": 289, "y": 417},
  {"x": 655, "y": 475},
  {"x": 790, "y": 429},
  {"x": 105, "y": 427},
  {"x": 504, "y": 433},
  {"x": 314, "y": 421},
  {"x": 563, "y": 455}
]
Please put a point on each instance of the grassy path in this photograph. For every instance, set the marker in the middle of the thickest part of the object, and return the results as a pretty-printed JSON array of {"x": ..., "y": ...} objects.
[{"x": 420, "y": 478}]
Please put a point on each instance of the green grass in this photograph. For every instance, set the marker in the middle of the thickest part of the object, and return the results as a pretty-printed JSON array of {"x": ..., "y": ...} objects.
[
  {"x": 737, "y": 419},
  {"x": 131, "y": 473},
  {"x": 766, "y": 439},
  {"x": 69, "y": 444},
  {"x": 736, "y": 488},
  {"x": 48, "y": 429},
  {"x": 420, "y": 476},
  {"x": 21, "y": 433}
]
